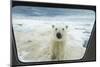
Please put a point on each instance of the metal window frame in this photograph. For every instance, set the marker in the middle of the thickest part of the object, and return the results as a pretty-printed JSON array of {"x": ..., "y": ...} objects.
[{"x": 90, "y": 54}]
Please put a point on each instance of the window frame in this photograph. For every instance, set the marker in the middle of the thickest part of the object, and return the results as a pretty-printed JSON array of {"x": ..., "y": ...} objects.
[{"x": 90, "y": 53}]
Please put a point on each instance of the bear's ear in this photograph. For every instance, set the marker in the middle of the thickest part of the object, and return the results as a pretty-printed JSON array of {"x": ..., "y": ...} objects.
[
  {"x": 53, "y": 26},
  {"x": 66, "y": 27}
]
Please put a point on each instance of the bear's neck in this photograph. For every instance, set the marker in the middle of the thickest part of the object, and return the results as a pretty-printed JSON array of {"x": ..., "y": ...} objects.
[{"x": 59, "y": 43}]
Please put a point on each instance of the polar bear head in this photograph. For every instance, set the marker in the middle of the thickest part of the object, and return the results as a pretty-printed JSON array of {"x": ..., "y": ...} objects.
[{"x": 59, "y": 32}]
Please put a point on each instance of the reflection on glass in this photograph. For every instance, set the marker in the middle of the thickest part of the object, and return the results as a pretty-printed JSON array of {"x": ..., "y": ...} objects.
[{"x": 51, "y": 34}]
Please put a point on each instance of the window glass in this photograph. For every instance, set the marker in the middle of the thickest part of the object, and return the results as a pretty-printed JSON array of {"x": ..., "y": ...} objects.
[{"x": 51, "y": 34}]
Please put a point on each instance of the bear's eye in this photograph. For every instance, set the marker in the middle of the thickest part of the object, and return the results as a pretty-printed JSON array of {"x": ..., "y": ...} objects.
[
  {"x": 62, "y": 28},
  {"x": 66, "y": 27},
  {"x": 53, "y": 26},
  {"x": 56, "y": 29}
]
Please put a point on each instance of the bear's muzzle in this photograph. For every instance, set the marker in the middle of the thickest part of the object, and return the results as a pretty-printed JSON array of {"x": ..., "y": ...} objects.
[{"x": 58, "y": 35}]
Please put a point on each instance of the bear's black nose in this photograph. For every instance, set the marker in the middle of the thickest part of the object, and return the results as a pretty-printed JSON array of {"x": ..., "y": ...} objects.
[{"x": 59, "y": 36}]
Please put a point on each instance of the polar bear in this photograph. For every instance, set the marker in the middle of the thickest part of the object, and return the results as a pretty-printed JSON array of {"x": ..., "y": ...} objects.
[
  {"x": 63, "y": 47},
  {"x": 58, "y": 41}
]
